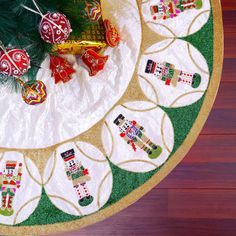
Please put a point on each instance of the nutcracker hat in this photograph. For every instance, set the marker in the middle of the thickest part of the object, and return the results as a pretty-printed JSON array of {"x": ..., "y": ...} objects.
[
  {"x": 150, "y": 67},
  {"x": 11, "y": 164},
  {"x": 154, "y": 9},
  {"x": 119, "y": 119},
  {"x": 68, "y": 155}
]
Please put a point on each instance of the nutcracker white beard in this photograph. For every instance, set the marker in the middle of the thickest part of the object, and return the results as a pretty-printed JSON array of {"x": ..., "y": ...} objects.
[{"x": 54, "y": 28}]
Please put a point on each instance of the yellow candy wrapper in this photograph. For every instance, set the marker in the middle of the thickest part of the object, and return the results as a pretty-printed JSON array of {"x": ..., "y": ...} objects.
[
  {"x": 94, "y": 38},
  {"x": 77, "y": 47}
]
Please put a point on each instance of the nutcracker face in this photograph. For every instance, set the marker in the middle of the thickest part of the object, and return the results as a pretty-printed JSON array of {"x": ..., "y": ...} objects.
[
  {"x": 9, "y": 173},
  {"x": 10, "y": 170},
  {"x": 73, "y": 165},
  {"x": 125, "y": 126},
  {"x": 158, "y": 70},
  {"x": 159, "y": 9}
]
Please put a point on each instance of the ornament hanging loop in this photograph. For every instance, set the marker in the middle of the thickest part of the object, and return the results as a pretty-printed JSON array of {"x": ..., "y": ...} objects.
[
  {"x": 2, "y": 46},
  {"x": 32, "y": 10},
  {"x": 43, "y": 16}
]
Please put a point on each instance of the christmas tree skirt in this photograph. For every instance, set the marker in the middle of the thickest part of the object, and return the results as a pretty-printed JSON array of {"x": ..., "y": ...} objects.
[{"x": 98, "y": 144}]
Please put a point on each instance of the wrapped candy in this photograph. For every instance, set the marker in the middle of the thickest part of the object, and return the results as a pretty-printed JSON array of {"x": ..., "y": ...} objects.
[
  {"x": 94, "y": 38},
  {"x": 97, "y": 37},
  {"x": 77, "y": 47}
]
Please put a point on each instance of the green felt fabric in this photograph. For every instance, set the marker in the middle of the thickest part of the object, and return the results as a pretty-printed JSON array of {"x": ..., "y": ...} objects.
[{"x": 203, "y": 41}]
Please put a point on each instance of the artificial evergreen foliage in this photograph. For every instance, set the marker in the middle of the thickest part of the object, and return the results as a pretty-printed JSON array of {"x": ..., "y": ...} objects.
[{"x": 19, "y": 28}]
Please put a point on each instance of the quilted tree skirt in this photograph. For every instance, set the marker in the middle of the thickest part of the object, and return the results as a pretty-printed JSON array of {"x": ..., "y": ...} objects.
[{"x": 128, "y": 127}]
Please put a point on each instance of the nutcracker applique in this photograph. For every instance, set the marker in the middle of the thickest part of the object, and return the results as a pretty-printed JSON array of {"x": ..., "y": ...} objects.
[
  {"x": 79, "y": 176},
  {"x": 10, "y": 180},
  {"x": 133, "y": 134},
  {"x": 172, "y": 76},
  {"x": 166, "y": 9}
]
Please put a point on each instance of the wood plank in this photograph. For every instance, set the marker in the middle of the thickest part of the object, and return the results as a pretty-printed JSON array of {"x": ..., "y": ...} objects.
[
  {"x": 230, "y": 33},
  {"x": 225, "y": 96},
  {"x": 201, "y": 175},
  {"x": 205, "y": 204},
  {"x": 229, "y": 70},
  {"x": 209, "y": 164},
  {"x": 121, "y": 226},
  {"x": 221, "y": 121},
  {"x": 228, "y": 5},
  {"x": 223, "y": 115},
  {"x": 143, "y": 218},
  {"x": 212, "y": 149}
]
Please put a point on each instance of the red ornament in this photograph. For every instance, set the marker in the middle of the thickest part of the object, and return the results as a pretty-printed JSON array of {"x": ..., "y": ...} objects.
[
  {"x": 14, "y": 62},
  {"x": 112, "y": 35},
  {"x": 61, "y": 69},
  {"x": 54, "y": 28},
  {"x": 94, "y": 61}
]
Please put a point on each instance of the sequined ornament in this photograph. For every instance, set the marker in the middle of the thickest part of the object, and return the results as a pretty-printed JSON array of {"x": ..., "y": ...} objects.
[
  {"x": 94, "y": 61},
  {"x": 112, "y": 35},
  {"x": 14, "y": 62},
  {"x": 93, "y": 10},
  {"x": 33, "y": 92},
  {"x": 54, "y": 27},
  {"x": 61, "y": 69}
]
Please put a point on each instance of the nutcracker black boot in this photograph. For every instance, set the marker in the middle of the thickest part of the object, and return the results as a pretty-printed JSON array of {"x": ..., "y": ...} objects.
[
  {"x": 87, "y": 199},
  {"x": 4, "y": 203}
]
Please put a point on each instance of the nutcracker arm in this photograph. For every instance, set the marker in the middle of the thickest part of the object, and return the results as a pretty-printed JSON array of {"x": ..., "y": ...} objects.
[
  {"x": 68, "y": 173},
  {"x": 137, "y": 125},
  {"x": 169, "y": 65},
  {"x": 19, "y": 174}
]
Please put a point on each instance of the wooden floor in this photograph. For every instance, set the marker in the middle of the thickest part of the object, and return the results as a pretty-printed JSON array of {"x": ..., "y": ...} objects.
[{"x": 199, "y": 196}]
